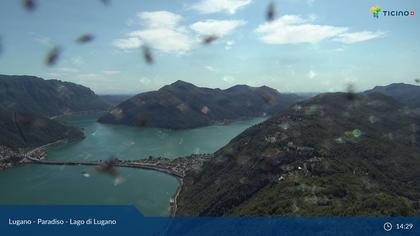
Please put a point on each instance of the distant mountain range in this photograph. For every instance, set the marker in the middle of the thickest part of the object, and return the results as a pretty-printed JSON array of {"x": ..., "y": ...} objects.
[
  {"x": 31, "y": 94},
  {"x": 328, "y": 155},
  {"x": 182, "y": 105},
  {"x": 407, "y": 94},
  {"x": 177, "y": 106}
]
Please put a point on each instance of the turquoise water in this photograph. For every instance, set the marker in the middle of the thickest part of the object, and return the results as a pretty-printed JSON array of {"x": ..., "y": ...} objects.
[{"x": 148, "y": 190}]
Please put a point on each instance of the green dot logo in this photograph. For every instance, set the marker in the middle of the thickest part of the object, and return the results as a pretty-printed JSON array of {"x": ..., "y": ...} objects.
[{"x": 375, "y": 11}]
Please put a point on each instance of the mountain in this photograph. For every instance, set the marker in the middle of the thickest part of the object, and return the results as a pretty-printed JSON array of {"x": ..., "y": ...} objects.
[
  {"x": 407, "y": 94},
  {"x": 30, "y": 94},
  {"x": 326, "y": 156},
  {"x": 24, "y": 130},
  {"x": 182, "y": 105}
]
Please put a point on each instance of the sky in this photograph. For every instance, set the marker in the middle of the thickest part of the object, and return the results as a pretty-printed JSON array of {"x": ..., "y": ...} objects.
[{"x": 309, "y": 46}]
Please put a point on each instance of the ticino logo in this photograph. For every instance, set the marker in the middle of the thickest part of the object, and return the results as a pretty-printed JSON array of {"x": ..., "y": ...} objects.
[{"x": 377, "y": 10}]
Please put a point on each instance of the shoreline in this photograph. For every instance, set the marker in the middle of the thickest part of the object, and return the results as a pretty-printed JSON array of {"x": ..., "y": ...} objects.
[
  {"x": 175, "y": 167},
  {"x": 124, "y": 164},
  {"x": 89, "y": 112},
  {"x": 212, "y": 124},
  {"x": 25, "y": 156},
  {"x": 43, "y": 149},
  {"x": 38, "y": 155},
  {"x": 30, "y": 155},
  {"x": 174, "y": 206}
]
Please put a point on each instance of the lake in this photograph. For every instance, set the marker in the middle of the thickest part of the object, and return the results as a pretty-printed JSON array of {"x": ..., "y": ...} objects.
[{"x": 149, "y": 191}]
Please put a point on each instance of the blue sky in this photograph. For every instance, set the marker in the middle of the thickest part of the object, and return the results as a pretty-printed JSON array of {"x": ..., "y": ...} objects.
[{"x": 312, "y": 45}]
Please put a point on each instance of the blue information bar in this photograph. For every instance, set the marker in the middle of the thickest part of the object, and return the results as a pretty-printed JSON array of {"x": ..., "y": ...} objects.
[{"x": 127, "y": 220}]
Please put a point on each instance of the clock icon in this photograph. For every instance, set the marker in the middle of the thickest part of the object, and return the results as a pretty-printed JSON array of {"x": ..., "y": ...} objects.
[{"x": 387, "y": 226}]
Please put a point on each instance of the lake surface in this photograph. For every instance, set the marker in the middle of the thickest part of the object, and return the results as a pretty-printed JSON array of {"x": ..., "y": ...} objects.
[{"x": 149, "y": 191}]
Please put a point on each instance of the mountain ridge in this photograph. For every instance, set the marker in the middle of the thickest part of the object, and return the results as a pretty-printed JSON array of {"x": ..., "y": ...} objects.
[
  {"x": 35, "y": 95},
  {"x": 27, "y": 102},
  {"x": 408, "y": 94},
  {"x": 324, "y": 156},
  {"x": 183, "y": 105}
]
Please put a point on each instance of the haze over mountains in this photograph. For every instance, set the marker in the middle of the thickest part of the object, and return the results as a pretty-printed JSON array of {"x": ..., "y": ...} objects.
[
  {"x": 114, "y": 100},
  {"x": 183, "y": 105},
  {"x": 325, "y": 156}
]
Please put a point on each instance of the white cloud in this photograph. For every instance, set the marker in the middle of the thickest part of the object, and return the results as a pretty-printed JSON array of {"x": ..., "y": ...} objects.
[
  {"x": 340, "y": 49},
  {"x": 165, "y": 40},
  {"x": 229, "y": 44},
  {"x": 77, "y": 61},
  {"x": 151, "y": 83},
  {"x": 111, "y": 72},
  {"x": 160, "y": 19},
  {"x": 312, "y": 74},
  {"x": 66, "y": 69},
  {"x": 218, "y": 28},
  {"x": 127, "y": 43},
  {"x": 162, "y": 31},
  {"x": 214, "y": 6},
  {"x": 54, "y": 75},
  {"x": 228, "y": 79},
  {"x": 359, "y": 36},
  {"x": 44, "y": 40},
  {"x": 294, "y": 29},
  {"x": 145, "y": 81},
  {"x": 89, "y": 77},
  {"x": 210, "y": 68},
  {"x": 308, "y": 2}
]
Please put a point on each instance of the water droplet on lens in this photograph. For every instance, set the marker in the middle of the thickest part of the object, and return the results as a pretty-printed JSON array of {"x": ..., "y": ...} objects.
[
  {"x": 85, "y": 38},
  {"x": 209, "y": 39},
  {"x": 271, "y": 12},
  {"x": 52, "y": 56}
]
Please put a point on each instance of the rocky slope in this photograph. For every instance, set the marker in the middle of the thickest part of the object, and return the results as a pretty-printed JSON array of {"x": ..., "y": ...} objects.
[
  {"x": 31, "y": 94},
  {"x": 325, "y": 156},
  {"x": 182, "y": 105}
]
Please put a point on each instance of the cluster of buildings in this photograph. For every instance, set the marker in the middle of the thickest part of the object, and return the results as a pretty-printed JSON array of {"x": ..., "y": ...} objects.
[
  {"x": 193, "y": 162},
  {"x": 178, "y": 166},
  {"x": 9, "y": 158}
]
